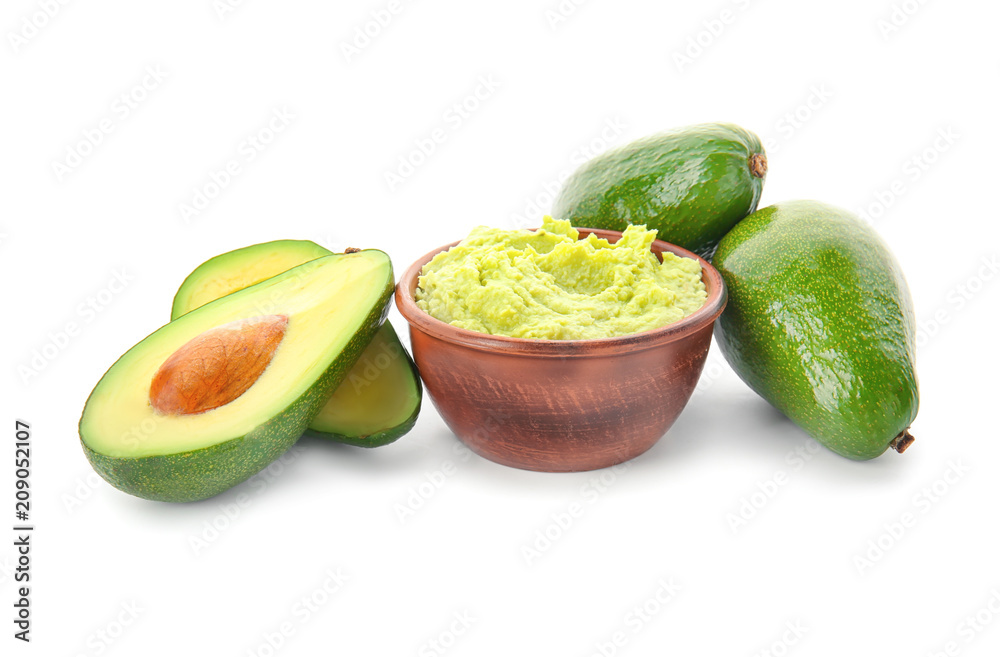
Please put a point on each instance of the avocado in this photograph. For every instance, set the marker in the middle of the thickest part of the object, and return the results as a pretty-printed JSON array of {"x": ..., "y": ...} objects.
[
  {"x": 691, "y": 184},
  {"x": 214, "y": 396},
  {"x": 235, "y": 270},
  {"x": 379, "y": 400},
  {"x": 821, "y": 325}
]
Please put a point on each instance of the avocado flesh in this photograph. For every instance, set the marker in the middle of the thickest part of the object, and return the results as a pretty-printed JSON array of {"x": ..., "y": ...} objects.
[
  {"x": 691, "y": 184},
  {"x": 235, "y": 270},
  {"x": 378, "y": 401},
  {"x": 380, "y": 398},
  {"x": 820, "y": 323},
  {"x": 334, "y": 305}
]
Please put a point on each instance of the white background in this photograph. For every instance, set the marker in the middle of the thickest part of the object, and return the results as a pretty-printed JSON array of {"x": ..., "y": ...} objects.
[{"x": 868, "y": 98}]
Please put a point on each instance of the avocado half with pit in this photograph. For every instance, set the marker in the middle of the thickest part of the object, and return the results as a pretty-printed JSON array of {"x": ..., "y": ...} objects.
[
  {"x": 378, "y": 401},
  {"x": 213, "y": 397}
]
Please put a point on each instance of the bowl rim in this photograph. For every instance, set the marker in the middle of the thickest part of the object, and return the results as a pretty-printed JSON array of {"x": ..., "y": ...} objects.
[{"x": 714, "y": 304}]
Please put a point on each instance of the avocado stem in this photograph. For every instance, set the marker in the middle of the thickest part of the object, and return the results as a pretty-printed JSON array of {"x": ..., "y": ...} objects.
[
  {"x": 902, "y": 441},
  {"x": 758, "y": 165}
]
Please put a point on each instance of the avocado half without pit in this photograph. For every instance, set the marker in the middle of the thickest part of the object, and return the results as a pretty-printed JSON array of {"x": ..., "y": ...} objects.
[
  {"x": 379, "y": 399},
  {"x": 213, "y": 397}
]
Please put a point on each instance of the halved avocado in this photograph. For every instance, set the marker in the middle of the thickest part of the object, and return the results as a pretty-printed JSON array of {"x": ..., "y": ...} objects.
[
  {"x": 235, "y": 270},
  {"x": 213, "y": 397},
  {"x": 379, "y": 400}
]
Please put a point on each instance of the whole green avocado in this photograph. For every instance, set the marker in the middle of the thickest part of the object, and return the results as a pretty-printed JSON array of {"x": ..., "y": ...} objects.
[
  {"x": 820, "y": 324},
  {"x": 691, "y": 184}
]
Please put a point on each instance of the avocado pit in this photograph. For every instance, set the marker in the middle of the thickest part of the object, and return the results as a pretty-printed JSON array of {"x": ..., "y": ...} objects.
[{"x": 217, "y": 366}]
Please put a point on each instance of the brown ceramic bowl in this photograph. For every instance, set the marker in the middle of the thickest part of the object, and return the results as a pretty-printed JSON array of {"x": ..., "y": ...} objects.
[{"x": 561, "y": 405}]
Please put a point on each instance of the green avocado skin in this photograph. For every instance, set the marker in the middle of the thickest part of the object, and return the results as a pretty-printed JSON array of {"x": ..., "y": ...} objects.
[
  {"x": 691, "y": 184},
  {"x": 377, "y": 439},
  {"x": 204, "y": 473},
  {"x": 820, "y": 324}
]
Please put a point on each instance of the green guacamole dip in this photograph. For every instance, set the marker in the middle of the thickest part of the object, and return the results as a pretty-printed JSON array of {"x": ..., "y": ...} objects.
[{"x": 550, "y": 284}]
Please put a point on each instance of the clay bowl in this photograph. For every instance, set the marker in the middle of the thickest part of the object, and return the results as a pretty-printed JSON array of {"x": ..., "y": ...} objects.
[{"x": 561, "y": 405}]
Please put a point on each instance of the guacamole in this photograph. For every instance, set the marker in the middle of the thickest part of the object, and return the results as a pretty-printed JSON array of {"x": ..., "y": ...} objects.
[{"x": 550, "y": 284}]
